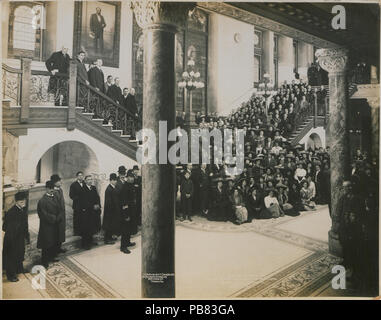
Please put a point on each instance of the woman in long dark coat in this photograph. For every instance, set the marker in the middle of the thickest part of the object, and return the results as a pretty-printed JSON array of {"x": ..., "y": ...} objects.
[
  {"x": 15, "y": 226},
  {"x": 112, "y": 211},
  {"x": 254, "y": 205}
]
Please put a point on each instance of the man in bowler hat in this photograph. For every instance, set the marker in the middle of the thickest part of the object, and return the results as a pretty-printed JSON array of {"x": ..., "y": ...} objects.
[{"x": 16, "y": 235}]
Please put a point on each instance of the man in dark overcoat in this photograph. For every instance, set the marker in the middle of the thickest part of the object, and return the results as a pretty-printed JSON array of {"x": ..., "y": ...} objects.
[
  {"x": 55, "y": 178},
  {"x": 81, "y": 68},
  {"x": 49, "y": 212},
  {"x": 15, "y": 226},
  {"x": 90, "y": 220},
  {"x": 112, "y": 211},
  {"x": 58, "y": 62},
  {"x": 138, "y": 192},
  {"x": 96, "y": 76},
  {"x": 75, "y": 194},
  {"x": 128, "y": 206}
]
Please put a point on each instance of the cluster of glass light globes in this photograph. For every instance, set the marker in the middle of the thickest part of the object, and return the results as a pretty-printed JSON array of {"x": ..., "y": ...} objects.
[{"x": 191, "y": 79}]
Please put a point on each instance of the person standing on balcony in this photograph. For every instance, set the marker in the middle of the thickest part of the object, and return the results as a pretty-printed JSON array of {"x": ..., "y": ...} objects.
[
  {"x": 108, "y": 84},
  {"x": 320, "y": 97},
  {"x": 312, "y": 75},
  {"x": 58, "y": 62},
  {"x": 115, "y": 92},
  {"x": 131, "y": 102},
  {"x": 96, "y": 76},
  {"x": 81, "y": 68},
  {"x": 97, "y": 25}
]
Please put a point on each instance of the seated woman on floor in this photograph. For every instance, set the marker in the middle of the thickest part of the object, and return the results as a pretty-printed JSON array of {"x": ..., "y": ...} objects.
[
  {"x": 239, "y": 209},
  {"x": 272, "y": 208},
  {"x": 306, "y": 196},
  {"x": 287, "y": 207},
  {"x": 254, "y": 204}
]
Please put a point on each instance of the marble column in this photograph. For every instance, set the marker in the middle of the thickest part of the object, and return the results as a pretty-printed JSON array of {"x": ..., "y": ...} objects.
[
  {"x": 374, "y": 104},
  {"x": 268, "y": 53},
  {"x": 159, "y": 21},
  {"x": 335, "y": 62},
  {"x": 285, "y": 59},
  {"x": 305, "y": 58}
]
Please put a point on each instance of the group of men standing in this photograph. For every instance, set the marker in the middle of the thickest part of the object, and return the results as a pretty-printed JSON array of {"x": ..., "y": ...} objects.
[
  {"x": 58, "y": 65},
  {"x": 122, "y": 208},
  {"x": 121, "y": 217}
]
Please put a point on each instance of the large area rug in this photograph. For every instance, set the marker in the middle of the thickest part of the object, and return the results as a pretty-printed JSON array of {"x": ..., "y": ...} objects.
[{"x": 305, "y": 277}]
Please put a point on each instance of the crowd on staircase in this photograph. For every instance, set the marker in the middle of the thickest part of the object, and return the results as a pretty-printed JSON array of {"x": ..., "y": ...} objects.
[{"x": 278, "y": 177}]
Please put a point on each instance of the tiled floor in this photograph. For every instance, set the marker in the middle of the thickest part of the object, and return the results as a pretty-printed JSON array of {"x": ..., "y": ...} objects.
[{"x": 266, "y": 258}]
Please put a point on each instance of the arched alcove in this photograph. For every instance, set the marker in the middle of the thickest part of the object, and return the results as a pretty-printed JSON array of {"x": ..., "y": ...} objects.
[{"x": 314, "y": 141}]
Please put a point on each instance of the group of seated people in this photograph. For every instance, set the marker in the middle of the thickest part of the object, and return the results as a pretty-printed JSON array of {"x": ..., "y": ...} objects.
[{"x": 271, "y": 185}]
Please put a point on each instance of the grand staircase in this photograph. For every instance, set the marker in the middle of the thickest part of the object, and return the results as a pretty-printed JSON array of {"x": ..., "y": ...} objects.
[
  {"x": 28, "y": 104},
  {"x": 313, "y": 120}
]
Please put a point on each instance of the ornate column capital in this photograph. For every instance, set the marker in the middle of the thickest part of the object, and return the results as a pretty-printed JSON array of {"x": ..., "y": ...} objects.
[
  {"x": 161, "y": 15},
  {"x": 374, "y": 102},
  {"x": 333, "y": 60}
]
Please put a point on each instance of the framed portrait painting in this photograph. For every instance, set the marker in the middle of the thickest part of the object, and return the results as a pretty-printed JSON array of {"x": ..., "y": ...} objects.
[{"x": 97, "y": 31}]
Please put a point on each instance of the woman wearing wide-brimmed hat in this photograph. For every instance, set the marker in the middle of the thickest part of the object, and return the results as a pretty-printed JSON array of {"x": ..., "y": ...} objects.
[{"x": 287, "y": 207}]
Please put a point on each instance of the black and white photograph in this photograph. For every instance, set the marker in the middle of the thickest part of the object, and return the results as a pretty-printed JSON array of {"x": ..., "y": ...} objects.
[{"x": 190, "y": 150}]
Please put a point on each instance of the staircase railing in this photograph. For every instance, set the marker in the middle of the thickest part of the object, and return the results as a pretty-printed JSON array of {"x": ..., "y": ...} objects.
[
  {"x": 103, "y": 107},
  {"x": 11, "y": 84},
  {"x": 25, "y": 87}
]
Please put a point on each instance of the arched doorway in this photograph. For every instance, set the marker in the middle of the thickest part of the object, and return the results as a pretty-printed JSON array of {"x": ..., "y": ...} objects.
[
  {"x": 65, "y": 159},
  {"x": 314, "y": 141}
]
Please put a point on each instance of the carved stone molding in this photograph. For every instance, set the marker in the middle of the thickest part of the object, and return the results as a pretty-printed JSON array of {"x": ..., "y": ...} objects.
[
  {"x": 374, "y": 103},
  {"x": 367, "y": 91},
  {"x": 333, "y": 60},
  {"x": 257, "y": 20},
  {"x": 161, "y": 15}
]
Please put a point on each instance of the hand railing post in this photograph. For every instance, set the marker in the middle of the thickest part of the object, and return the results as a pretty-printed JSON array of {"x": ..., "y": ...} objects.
[
  {"x": 25, "y": 89},
  {"x": 72, "y": 96}
]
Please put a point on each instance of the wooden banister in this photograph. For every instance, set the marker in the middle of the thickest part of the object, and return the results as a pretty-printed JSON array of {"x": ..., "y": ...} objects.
[
  {"x": 72, "y": 95},
  {"x": 25, "y": 89}
]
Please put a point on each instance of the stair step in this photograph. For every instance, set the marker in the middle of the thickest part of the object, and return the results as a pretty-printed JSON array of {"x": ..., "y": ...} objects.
[
  {"x": 98, "y": 121},
  {"x": 118, "y": 132},
  {"x": 107, "y": 126},
  {"x": 125, "y": 136},
  {"x": 79, "y": 108}
]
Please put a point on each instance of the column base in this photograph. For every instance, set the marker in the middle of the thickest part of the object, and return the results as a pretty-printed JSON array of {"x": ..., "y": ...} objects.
[{"x": 334, "y": 245}]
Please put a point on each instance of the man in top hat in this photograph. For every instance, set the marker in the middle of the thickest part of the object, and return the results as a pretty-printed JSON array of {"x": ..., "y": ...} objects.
[
  {"x": 121, "y": 178},
  {"x": 90, "y": 219},
  {"x": 112, "y": 213},
  {"x": 127, "y": 200},
  {"x": 75, "y": 194},
  {"x": 15, "y": 226},
  {"x": 55, "y": 178},
  {"x": 49, "y": 212}
]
